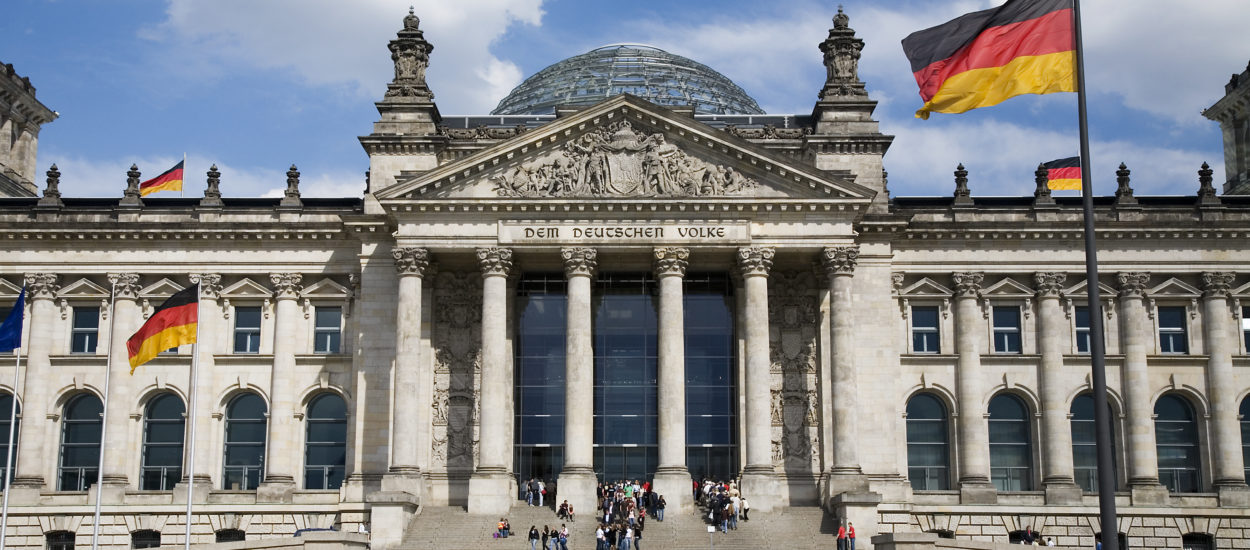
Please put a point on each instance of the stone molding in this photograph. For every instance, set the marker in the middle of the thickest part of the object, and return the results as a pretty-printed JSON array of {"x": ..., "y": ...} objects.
[
  {"x": 210, "y": 285},
  {"x": 286, "y": 286},
  {"x": 1132, "y": 283},
  {"x": 968, "y": 283},
  {"x": 579, "y": 260},
  {"x": 494, "y": 261},
  {"x": 411, "y": 260},
  {"x": 755, "y": 260},
  {"x": 1216, "y": 284},
  {"x": 671, "y": 260},
  {"x": 41, "y": 285},
  {"x": 1049, "y": 284},
  {"x": 840, "y": 260},
  {"x": 125, "y": 285}
]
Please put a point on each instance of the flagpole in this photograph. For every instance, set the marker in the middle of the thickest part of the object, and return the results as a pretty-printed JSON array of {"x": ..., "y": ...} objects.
[
  {"x": 1098, "y": 367},
  {"x": 182, "y": 191},
  {"x": 195, "y": 371},
  {"x": 104, "y": 418},
  {"x": 8, "y": 460}
]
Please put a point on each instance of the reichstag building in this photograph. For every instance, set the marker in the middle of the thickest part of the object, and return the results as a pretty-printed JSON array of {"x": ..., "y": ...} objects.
[{"x": 627, "y": 271}]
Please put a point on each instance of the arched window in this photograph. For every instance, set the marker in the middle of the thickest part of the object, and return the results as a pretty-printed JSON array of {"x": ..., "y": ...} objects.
[
  {"x": 928, "y": 444},
  {"x": 246, "y": 428},
  {"x": 1011, "y": 444},
  {"x": 1245, "y": 436},
  {"x": 145, "y": 538},
  {"x": 163, "y": 428},
  {"x": 1176, "y": 437},
  {"x": 80, "y": 443},
  {"x": 1085, "y": 443},
  {"x": 6, "y": 410},
  {"x": 230, "y": 535},
  {"x": 325, "y": 450}
]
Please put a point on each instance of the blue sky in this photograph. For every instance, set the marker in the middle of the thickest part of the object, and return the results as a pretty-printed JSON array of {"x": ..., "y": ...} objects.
[{"x": 255, "y": 86}]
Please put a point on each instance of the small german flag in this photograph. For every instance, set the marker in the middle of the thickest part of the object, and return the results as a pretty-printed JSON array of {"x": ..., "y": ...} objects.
[
  {"x": 171, "y": 325},
  {"x": 169, "y": 180},
  {"x": 1063, "y": 174},
  {"x": 985, "y": 57}
]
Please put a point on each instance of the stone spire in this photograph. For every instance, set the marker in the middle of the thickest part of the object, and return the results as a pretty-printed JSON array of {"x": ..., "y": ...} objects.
[
  {"x": 52, "y": 194},
  {"x": 842, "y": 50},
  {"x": 1123, "y": 193},
  {"x": 1041, "y": 195},
  {"x": 290, "y": 197},
  {"x": 410, "y": 52},
  {"x": 963, "y": 196},
  {"x": 1206, "y": 191},
  {"x": 212, "y": 192},
  {"x": 131, "y": 198}
]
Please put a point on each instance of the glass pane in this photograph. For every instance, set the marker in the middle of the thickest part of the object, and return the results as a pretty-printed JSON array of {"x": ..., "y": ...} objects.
[
  {"x": 1007, "y": 318},
  {"x": 328, "y": 406},
  {"x": 247, "y": 317},
  {"x": 329, "y": 317},
  {"x": 87, "y": 318}
]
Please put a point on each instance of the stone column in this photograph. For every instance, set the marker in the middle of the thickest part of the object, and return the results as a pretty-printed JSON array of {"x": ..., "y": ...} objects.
[
  {"x": 672, "y": 478},
  {"x": 280, "y": 467},
  {"x": 973, "y": 433},
  {"x": 202, "y": 409},
  {"x": 409, "y": 419},
  {"x": 1229, "y": 478},
  {"x": 759, "y": 479},
  {"x": 1135, "y": 335},
  {"x": 1057, "y": 469},
  {"x": 34, "y": 450},
  {"x": 577, "y": 480},
  {"x": 492, "y": 489},
  {"x": 845, "y": 473},
  {"x": 126, "y": 318}
]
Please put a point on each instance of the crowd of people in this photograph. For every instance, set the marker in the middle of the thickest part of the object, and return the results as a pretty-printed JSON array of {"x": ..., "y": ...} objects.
[
  {"x": 625, "y": 507},
  {"x": 724, "y": 503}
]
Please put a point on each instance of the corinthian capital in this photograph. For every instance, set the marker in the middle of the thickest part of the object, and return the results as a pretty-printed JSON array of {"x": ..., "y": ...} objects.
[
  {"x": 411, "y": 260},
  {"x": 1049, "y": 283},
  {"x": 41, "y": 285},
  {"x": 1216, "y": 284},
  {"x": 1132, "y": 283},
  {"x": 755, "y": 260},
  {"x": 210, "y": 284},
  {"x": 968, "y": 283},
  {"x": 579, "y": 260},
  {"x": 286, "y": 285},
  {"x": 839, "y": 260},
  {"x": 494, "y": 261},
  {"x": 125, "y": 285},
  {"x": 671, "y": 260}
]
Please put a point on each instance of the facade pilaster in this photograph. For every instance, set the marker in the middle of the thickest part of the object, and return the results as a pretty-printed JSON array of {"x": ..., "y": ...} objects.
[
  {"x": 125, "y": 315},
  {"x": 1057, "y": 466},
  {"x": 577, "y": 477},
  {"x": 759, "y": 479},
  {"x": 1143, "y": 463},
  {"x": 492, "y": 489},
  {"x": 973, "y": 433},
  {"x": 410, "y": 421},
  {"x": 672, "y": 478},
  {"x": 33, "y": 450},
  {"x": 201, "y": 408},
  {"x": 845, "y": 473},
  {"x": 1229, "y": 479},
  {"x": 280, "y": 469}
]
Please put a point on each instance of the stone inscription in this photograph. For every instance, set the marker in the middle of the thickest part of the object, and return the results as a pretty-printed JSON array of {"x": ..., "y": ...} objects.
[{"x": 624, "y": 233}]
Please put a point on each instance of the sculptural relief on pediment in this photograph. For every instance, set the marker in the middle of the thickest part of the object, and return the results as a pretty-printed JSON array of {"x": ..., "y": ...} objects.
[{"x": 620, "y": 161}]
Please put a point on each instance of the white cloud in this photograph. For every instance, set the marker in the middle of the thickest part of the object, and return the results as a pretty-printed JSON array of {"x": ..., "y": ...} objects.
[{"x": 343, "y": 44}]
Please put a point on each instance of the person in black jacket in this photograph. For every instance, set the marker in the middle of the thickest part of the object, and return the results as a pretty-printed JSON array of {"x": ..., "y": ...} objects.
[{"x": 533, "y": 538}]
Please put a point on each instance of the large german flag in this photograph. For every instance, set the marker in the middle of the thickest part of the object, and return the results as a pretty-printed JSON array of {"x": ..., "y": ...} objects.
[
  {"x": 171, "y": 325},
  {"x": 983, "y": 58},
  {"x": 1063, "y": 174},
  {"x": 169, "y": 180}
]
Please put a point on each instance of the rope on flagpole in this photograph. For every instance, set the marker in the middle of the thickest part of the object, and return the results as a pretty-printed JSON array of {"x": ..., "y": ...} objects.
[
  {"x": 195, "y": 364},
  {"x": 8, "y": 459},
  {"x": 104, "y": 418}
]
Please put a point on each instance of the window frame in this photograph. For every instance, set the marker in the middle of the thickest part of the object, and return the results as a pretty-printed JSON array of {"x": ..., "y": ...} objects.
[
  {"x": 235, "y": 330},
  {"x": 318, "y": 331},
  {"x": 1183, "y": 331},
  {"x": 1078, "y": 331},
  {"x": 1029, "y": 480},
  {"x": 136, "y": 543},
  {"x": 226, "y": 444},
  {"x": 4, "y": 413},
  {"x": 1244, "y": 329},
  {"x": 1198, "y": 461},
  {"x": 935, "y": 330},
  {"x": 309, "y": 444},
  {"x": 93, "y": 334},
  {"x": 1018, "y": 330},
  {"x": 148, "y": 420},
  {"x": 67, "y": 542},
  {"x": 944, "y": 482},
  {"x": 66, "y": 423}
]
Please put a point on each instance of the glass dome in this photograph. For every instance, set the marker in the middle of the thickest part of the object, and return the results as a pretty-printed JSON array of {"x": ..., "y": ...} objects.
[{"x": 644, "y": 71}]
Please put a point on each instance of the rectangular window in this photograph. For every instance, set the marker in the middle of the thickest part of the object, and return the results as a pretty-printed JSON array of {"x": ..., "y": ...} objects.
[
  {"x": 1172, "y": 334},
  {"x": 924, "y": 330},
  {"x": 86, "y": 330},
  {"x": 1007, "y": 330},
  {"x": 1082, "y": 329},
  {"x": 1245, "y": 327},
  {"x": 328, "y": 330},
  {"x": 247, "y": 330}
]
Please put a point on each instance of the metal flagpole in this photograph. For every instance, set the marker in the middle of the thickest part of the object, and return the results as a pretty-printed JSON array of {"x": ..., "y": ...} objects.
[
  {"x": 8, "y": 460},
  {"x": 1102, "y": 413},
  {"x": 182, "y": 192},
  {"x": 195, "y": 364},
  {"x": 104, "y": 418}
]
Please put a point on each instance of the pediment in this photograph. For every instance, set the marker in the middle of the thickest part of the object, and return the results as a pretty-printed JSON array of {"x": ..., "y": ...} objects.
[
  {"x": 625, "y": 148},
  {"x": 83, "y": 288},
  {"x": 1242, "y": 291},
  {"x": 163, "y": 288},
  {"x": 1175, "y": 287},
  {"x": 1008, "y": 287},
  {"x": 326, "y": 288},
  {"x": 925, "y": 287},
  {"x": 1078, "y": 289},
  {"x": 9, "y": 290},
  {"x": 247, "y": 288}
]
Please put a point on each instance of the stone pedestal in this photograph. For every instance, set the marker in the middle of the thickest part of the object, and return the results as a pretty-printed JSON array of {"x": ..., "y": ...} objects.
[
  {"x": 903, "y": 541},
  {"x": 977, "y": 493},
  {"x": 1234, "y": 496},
  {"x": 762, "y": 489},
  {"x": 675, "y": 486},
  {"x": 1063, "y": 493},
  {"x": 389, "y": 515},
  {"x": 860, "y": 510},
  {"x": 1148, "y": 494},
  {"x": 835, "y": 484},
  {"x": 493, "y": 493},
  {"x": 110, "y": 492},
  {"x": 276, "y": 491},
  {"x": 577, "y": 487},
  {"x": 412, "y": 483},
  {"x": 199, "y": 492}
]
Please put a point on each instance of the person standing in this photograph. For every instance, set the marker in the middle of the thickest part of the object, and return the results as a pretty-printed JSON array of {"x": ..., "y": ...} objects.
[
  {"x": 542, "y": 491},
  {"x": 746, "y": 509},
  {"x": 850, "y": 535},
  {"x": 533, "y": 538},
  {"x": 601, "y": 538},
  {"x": 546, "y": 536},
  {"x": 642, "y": 521},
  {"x": 564, "y": 537},
  {"x": 1029, "y": 535},
  {"x": 841, "y": 536},
  {"x": 659, "y": 509}
]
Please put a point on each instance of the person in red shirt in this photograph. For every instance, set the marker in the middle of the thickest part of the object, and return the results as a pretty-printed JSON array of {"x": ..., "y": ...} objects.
[
  {"x": 850, "y": 535},
  {"x": 841, "y": 537}
]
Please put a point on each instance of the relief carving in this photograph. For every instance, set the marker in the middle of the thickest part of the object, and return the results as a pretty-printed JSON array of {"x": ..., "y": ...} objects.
[
  {"x": 457, "y": 319},
  {"x": 623, "y": 162}
]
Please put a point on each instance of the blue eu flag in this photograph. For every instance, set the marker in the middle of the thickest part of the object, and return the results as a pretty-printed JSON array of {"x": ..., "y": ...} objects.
[{"x": 11, "y": 329}]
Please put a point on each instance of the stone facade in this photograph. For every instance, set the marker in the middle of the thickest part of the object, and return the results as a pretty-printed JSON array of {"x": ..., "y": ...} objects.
[
  {"x": 421, "y": 276},
  {"x": 21, "y": 116}
]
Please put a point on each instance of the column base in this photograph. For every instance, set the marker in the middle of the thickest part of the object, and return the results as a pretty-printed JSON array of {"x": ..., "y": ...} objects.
[
  {"x": 761, "y": 488},
  {"x": 576, "y": 485},
  {"x": 276, "y": 489},
  {"x": 199, "y": 491},
  {"x": 1063, "y": 492},
  {"x": 837, "y": 482},
  {"x": 492, "y": 492},
  {"x": 674, "y": 484},
  {"x": 1148, "y": 493},
  {"x": 109, "y": 491},
  {"x": 407, "y": 480},
  {"x": 977, "y": 492},
  {"x": 859, "y": 509},
  {"x": 25, "y": 491},
  {"x": 1234, "y": 495},
  {"x": 390, "y": 512}
]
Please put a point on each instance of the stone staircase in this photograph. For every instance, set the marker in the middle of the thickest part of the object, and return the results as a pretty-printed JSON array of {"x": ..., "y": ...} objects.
[{"x": 452, "y": 528}]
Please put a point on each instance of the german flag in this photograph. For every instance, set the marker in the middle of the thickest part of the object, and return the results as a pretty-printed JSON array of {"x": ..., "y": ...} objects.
[
  {"x": 983, "y": 58},
  {"x": 169, "y": 180},
  {"x": 171, "y": 325},
  {"x": 1063, "y": 174}
]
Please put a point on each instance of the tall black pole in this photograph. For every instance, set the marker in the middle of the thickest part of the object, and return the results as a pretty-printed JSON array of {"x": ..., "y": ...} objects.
[{"x": 1102, "y": 413}]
